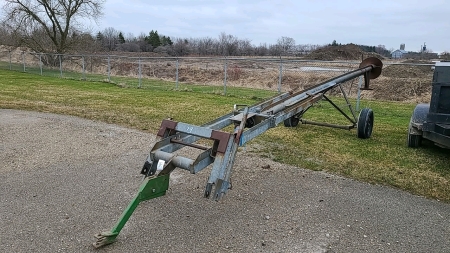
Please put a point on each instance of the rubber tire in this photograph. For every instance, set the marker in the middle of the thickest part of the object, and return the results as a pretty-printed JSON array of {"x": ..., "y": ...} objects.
[
  {"x": 250, "y": 123},
  {"x": 291, "y": 122},
  {"x": 414, "y": 140},
  {"x": 365, "y": 123}
]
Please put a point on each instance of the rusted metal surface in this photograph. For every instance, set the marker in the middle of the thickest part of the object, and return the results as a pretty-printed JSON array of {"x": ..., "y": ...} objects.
[
  {"x": 222, "y": 139},
  {"x": 174, "y": 140},
  {"x": 165, "y": 126},
  {"x": 376, "y": 65}
]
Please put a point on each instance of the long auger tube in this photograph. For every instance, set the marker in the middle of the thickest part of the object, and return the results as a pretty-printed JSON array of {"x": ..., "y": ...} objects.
[{"x": 287, "y": 107}]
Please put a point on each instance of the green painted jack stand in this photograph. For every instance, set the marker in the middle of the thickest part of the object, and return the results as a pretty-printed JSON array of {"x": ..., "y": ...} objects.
[{"x": 151, "y": 187}]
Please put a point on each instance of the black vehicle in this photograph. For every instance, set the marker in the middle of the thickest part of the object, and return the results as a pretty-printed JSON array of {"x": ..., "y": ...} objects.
[{"x": 432, "y": 121}]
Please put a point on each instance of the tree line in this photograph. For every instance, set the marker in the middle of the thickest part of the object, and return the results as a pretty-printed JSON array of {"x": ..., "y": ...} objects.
[
  {"x": 56, "y": 27},
  {"x": 111, "y": 39}
]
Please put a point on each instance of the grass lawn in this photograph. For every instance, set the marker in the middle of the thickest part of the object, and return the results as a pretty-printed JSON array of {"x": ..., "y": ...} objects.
[{"x": 382, "y": 159}]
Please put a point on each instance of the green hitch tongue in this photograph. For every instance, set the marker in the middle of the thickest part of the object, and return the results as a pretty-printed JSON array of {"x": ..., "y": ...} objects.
[{"x": 151, "y": 187}]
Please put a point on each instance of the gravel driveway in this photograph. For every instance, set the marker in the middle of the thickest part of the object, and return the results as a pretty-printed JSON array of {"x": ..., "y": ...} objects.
[{"x": 64, "y": 179}]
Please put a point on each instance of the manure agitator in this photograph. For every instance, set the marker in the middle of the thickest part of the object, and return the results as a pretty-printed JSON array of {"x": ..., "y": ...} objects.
[{"x": 247, "y": 123}]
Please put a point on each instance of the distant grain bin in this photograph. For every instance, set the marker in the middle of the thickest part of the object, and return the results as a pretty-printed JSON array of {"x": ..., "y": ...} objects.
[{"x": 402, "y": 46}]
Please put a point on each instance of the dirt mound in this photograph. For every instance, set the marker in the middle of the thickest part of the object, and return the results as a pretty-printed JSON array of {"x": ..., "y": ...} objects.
[
  {"x": 417, "y": 61},
  {"x": 17, "y": 54},
  {"x": 402, "y": 89},
  {"x": 343, "y": 52},
  {"x": 130, "y": 54},
  {"x": 407, "y": 71}
]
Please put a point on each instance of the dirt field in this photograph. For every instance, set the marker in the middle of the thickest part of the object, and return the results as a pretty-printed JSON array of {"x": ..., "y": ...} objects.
[{"x": 404, "y": 82}]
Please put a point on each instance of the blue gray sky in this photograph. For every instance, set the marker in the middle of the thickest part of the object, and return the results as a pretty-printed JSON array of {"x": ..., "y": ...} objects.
[{"x": 375, "y": 22}]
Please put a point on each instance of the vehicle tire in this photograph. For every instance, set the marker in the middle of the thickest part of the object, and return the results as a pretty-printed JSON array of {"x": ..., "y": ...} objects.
[
  {"x": 418, "y": 117},
  {"x": 365, "y": 123},
  {"x": 414, "y": 140},
  {"x": 250, "y": 123},
  {"x": 291, "y": 122}
]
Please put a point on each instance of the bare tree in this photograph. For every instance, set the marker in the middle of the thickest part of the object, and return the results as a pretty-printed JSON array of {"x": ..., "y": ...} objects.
[
  {"x": 84, "y": 43},
  {"x": 192, "y": 45},
  {"x": 143, "y": 44},
  {"x": 8, "y": 36},
  {"x": 109, "y": 38},
  {"x": 181, "y": 47},
  {"x": 262, "y": 50},
  {"x": 245, "y": 47},
  {"x": 128, "y": 47},
  {"x": 228, "y": 44},
  {"x": 445, "y": 55},
  {"x": 275, "y": 50},
  {"x": 58, "y": 20},
  {"x": 206, "y": 46},
  {"x": 314, "y": 47},
  {"x": 286, "y": 45},
  {"x": 130, "y": 37},
  {"x": 303, "y": 49}
]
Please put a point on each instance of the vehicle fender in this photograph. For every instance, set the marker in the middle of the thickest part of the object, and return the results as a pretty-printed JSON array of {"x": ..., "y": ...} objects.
[{"x": 418, "y": 118}]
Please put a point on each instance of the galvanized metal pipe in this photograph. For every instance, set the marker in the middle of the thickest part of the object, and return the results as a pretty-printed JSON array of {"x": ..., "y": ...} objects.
[
  {"x": 109, "y": 69},
  {"x": 280, "y": 77},
  {"x": 358, "y": 98},
  {"x": 140, "y": 73},
  {"x": 178, "y": 161},
  {"x": 326, "y": 124},
  {"x": 40, "y": 63},
  {"x": 323, "y": 87},
  {"x": 60, "y": 65},
  {"x": 225, "y": 77},
  {"x": 176, "y": 74},
  {"x": 84, "y": 70}
]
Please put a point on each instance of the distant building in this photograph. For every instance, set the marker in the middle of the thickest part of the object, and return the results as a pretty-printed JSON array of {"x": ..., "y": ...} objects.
[
  {"x": 422, "y": 55},
  {"x": 398, "y": 54}
]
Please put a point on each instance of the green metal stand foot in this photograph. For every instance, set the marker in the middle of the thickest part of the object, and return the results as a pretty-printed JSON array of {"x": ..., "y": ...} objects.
[
  {"x": 151, "y": 188},
  {"x": 104, "y": 238}
]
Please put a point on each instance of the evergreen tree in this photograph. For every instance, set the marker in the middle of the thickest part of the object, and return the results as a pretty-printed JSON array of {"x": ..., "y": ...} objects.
[
  {"x": 166, "y": 41},
  {"x": 153, "y": 39},
  {"x": 147, "y": 38},
  {"x": 100, "y": 36},
  {"x": 169, "y": 41},
  {"x": 121, "y": 38},
  {"x": 163, "y": 40}
]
